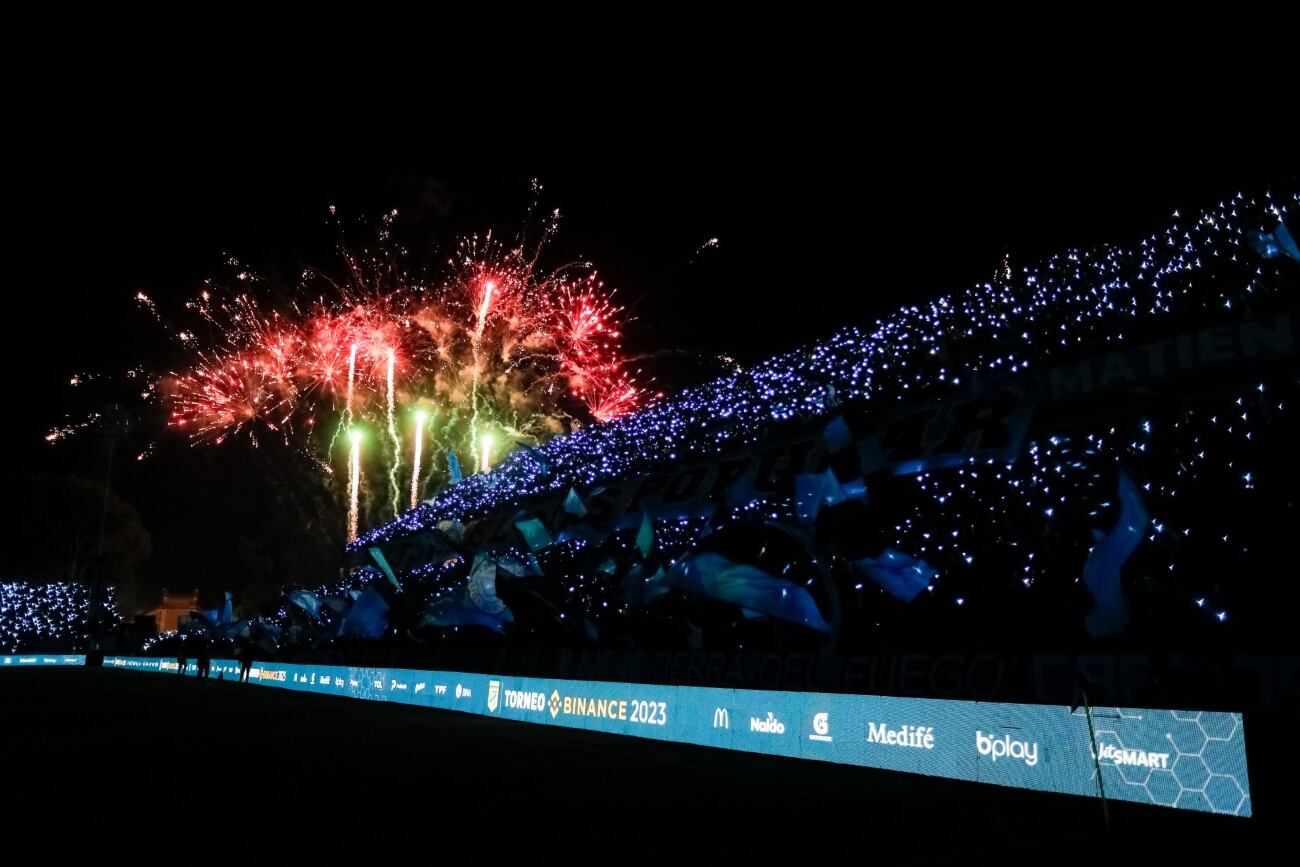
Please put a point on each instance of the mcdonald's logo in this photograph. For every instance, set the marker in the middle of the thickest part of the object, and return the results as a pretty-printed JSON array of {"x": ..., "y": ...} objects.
[{"x": 721, "y": 719}]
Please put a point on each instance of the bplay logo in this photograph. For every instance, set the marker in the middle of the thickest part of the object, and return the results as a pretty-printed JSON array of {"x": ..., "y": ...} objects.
[
  {"x": 494, "y": 695},
  {"x": 821, "y": 728},
  {"x": 769, "y": 726},
  {"x": 919, "y": 737},
  {"x": 1000, "y": 748},
  {"x": 721, "y": 719}
]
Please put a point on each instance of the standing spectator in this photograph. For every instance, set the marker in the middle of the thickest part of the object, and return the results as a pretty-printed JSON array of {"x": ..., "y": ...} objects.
[
  {"x": 205, "y": 659},
  {"x": 246, "y": 649}
]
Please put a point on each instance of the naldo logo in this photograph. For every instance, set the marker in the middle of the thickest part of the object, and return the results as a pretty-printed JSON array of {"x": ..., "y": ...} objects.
[
  {"x": 769, "y": 726},
  {"x": 1005, "y": 746}
]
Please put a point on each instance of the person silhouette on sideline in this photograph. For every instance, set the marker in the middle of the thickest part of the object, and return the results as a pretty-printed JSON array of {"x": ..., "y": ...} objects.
[{"x": 246, "y": 648}]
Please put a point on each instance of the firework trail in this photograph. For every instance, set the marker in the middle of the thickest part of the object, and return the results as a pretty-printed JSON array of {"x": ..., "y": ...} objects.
[
  {"x": 354, "y": 484},
  {"x": 420, "y": 417}
]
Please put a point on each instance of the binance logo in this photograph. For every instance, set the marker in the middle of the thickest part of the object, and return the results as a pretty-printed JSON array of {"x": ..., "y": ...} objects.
[{"x": 554, "y": 703}]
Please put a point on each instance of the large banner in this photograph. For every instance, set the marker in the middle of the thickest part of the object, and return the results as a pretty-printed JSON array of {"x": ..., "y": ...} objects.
[
  {"x": 986, "y": 419},
  {"x": 1192, "y": 760},
  {"x": 30, "y": 659}
]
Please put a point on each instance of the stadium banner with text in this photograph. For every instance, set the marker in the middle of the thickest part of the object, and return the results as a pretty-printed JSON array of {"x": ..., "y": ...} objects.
[
  {"x": 1193, "y": 760},
  {"x": 29, "y": 659}
]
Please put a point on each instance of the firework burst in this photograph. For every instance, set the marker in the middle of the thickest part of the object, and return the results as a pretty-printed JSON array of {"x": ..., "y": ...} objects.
[{"x": 495, "y": 350}]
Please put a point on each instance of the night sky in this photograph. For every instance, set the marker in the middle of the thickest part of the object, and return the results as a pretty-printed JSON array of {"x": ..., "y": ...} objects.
[{"x": 837, "y": 192}]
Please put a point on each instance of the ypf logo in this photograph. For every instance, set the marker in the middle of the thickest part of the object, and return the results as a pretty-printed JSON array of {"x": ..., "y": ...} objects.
[
  {"x": 721, "y": 719},
  {"x": 494, "y": 695},
  {"x": 998, "y": 748}
]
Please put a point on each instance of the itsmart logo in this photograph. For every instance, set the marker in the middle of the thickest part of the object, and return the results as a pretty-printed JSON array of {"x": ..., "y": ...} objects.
[
  {"x": 821, "y": 728},
  {"x": 1112, "y": 754},
  {"x": 1006, "y": 746},
  {"x": 721, "y": 719}
]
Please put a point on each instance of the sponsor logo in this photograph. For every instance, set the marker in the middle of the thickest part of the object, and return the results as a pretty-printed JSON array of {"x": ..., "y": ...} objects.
[
  {"x": 379, "y": 683},
  {"x": 721, "y": 719},
  {"x": 326, "y": 680},
  {"x": 1137, "y": 758},
  {"x": 440, "y": 689},
  {"x": 9, "y": 660},
  {"x": 267, "y": 674},
  {"x": 354, "y": 683},
  {"x": 821, "y": 728},
  {"x": 1005, "y": 746},
  {"x": 516, "y": 699},
  {"x": 396, "y": 684},
  {"x": 494, "y": 695},
  {"x": 917, "y": 737},
  {"x": 462, "y": 691},
  {"x": 419, "y": 687},
  {"x": 653, "y": 713},
  {"x": 769, "y": 726},
  {"x": 576, "y": 705}
]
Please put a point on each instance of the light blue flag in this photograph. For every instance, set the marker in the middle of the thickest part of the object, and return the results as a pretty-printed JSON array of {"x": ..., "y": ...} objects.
[
  {"x": 233, "y": 630},
  {"x": 528, "y": 567},
  {"x": 585, "y": 532},
  {"x": 901, "y": 576},
  {"x": 482, "y": 585},
  {"x": 745, "y": 586},
  {"x": 645, "y": 535},
  {"x": 573, "y": 504},
  {"x": 812, "y": 491},
  {"x": 534, "y": 533},
  {"x": 307, "y": 601},
  {"x": 1278, "y": 242},
  {"x": 837, "y": 435},
  {"x": 453, "y": 467},
  {"x": 1101, "y": 572},
  {"x": 368, "y": 616},
  {"x": 227, "y": 610},
  {"x": 379, "y": 558}
]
